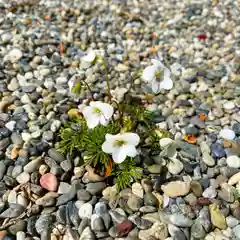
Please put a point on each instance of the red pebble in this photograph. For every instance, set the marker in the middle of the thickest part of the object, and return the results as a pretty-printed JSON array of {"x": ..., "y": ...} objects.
[
  {"x": 124, "y": 228},
  {"x": 202, "y": 36},
  {"x": 49, "y": 182},
  {"x": 204, "y": 201}
]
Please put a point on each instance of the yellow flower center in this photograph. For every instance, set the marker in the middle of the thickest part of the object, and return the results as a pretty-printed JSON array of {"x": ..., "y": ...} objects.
[
  {"x": 97, "y": 110},
  {"x": 159, "y": 74},
  {"x": 119, "y": 143}
]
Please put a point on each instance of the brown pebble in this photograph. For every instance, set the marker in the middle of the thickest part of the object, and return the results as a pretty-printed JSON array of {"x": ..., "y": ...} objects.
[
  {"x": 204, "y": 201},
  {"x": 15, "y": 152}
]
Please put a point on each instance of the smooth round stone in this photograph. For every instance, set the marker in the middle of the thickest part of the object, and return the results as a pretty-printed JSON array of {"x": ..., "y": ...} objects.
[
  {"x": 209, "y": 192},
  {"x": 233, "y": 161},
  {"x": 137, "y": 189},
  {"x": 175, "y": 166},
  {"x": 85, "y": 211},
  {"x": 49, "y": 182},
  {"x": 83, "y": 195},
  {"x": 176, "y": 189},
  {"x": 227, "y": 134},
  {"x": 64, "y": 188},
  {"x": 234, "y": 179},
  {"x": 229, "y": 105},
  {"x": 14, "y": 55},
  {"x": 20, "y": 235},
  {"x": 218, "y": 150},
  {"x": 236, "y": 128},
  {"x": 54, "y": 154},
  {"x": 134, "y": 202},
  {"x": 232, "y": 221},
  {"x": 23, "y": 177},
  {"x": 96, "y": 223},
  {"x": 236, "y": 231},
  {"x": 180, "y": 220}
]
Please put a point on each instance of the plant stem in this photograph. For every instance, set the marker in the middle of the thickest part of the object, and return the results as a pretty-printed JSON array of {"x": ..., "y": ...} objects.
[
  {"x": 88, "y": 87},
  {"x": 107, "y": 77}
]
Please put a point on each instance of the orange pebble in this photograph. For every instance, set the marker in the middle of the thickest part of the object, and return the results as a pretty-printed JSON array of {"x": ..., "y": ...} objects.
[
  {"x": 190, "y": 139},
  {"x": 202, "y": 116}
]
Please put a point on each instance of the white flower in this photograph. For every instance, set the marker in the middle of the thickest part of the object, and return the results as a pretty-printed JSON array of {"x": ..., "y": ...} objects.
[
  {"x": 121, "y": 146},
  {"x": 97, "y": 112},
  {"x": 87, "y": 60},
  {"x": 158, "y": 76},
  {"x": 90, "y": 57}
]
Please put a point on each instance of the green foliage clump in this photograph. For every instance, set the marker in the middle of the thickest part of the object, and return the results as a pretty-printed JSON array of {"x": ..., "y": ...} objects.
[{"x": 127, "y": 173}]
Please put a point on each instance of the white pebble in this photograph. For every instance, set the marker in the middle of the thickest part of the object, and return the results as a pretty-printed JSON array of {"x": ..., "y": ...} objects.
[
  {"x": 20, "y": 236},
  {"x": 12, "y": 197},
  {"x": 26, "y": 136},
  {"x": 14, "y": 55},
  {"x": 55, "y": 125},
  {"x": 85, "y": 211},
  {"x": 233, "y": 161},
  {"x": 10, "y": 125},
  {"x": 229, "y": 105},
  {"x": 23, "y": 178},
  {"x": 227, "y": 134}
]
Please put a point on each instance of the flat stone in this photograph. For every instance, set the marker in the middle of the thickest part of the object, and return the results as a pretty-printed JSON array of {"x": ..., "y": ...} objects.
[
  {"x": 175, "y": 166},
  {"x": 64, "y": 188},
  {"x": 54, "y": 154},
  {"x": 227, "y": 134},
  {"x": 95, "y": 188},
  {"x": 157, "y": 231},
  {"x": 14, "y": 210},
  {"x": 217, "y": 218},
  {"x": 210, "y": 192},
  {"x": 176, "y": 189},
  {"x": 233, "y": 161},
  {"x": 87, "y": 234},
  {"x": 23, "y": 177},
  {"x": 180, "y": 220},
  {"x": 49, "y": 182},
  {"x": 137, "y": 189},
  {"x": 196, "y": 187},
  {"x": 234, "y": 179},
  {"x": 85, "y": 211},
  {"x": 96, "y": 223},
  {"x": 33, "y": 165}
]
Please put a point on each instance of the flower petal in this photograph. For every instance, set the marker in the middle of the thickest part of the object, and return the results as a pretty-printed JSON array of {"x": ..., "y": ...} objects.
[
  {"x": 130, "y": 138},
  {"x": 130, "y": 150},
  {"x": 106, "y": 109},
  {"x": 167, "y": 82},
  {"x": 104, "y": 121},
  {"x": 155, "y": 86},
  {"x": 92, "y": 121},
  {"x": 157, "y": 63},
  {"x": 87, "y": 112},
  {"x": 89, "y": 57},
  {"x": 149, "y": 73},
  {"x": 119, "y": 155},
  {"x": 108, "y": 147}
]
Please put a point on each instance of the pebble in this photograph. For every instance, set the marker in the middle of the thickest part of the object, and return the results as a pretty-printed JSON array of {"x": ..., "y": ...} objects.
[
  {"x": 33, "y": 165},
  {"x": 157, "y": 231},
  {"x": 233, "y": 161},
  {"x": 234, "y": 179},
  {"x": 227, "y": 134},
  {"x": 217, "y": 218},
  {"x": 180, "y": 220},
  {"x": 49, "y": 182},
  {"x": 176, "y": 189},
  {"x": 23, "y": 177},
  {"x": 85, "y": 211},
  {"x": 137, "y": 189},
  {"x": 210, "y": 192}
]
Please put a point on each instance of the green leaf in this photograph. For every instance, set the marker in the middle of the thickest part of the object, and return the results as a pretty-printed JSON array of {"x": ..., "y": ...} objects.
[{"x": 77, "y": 88}]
